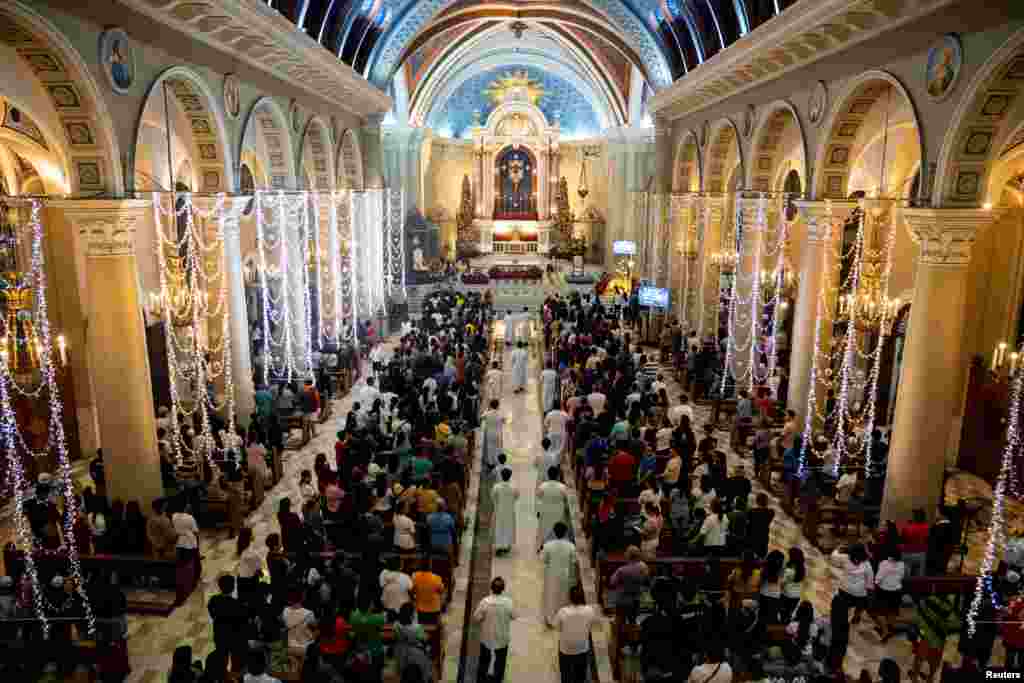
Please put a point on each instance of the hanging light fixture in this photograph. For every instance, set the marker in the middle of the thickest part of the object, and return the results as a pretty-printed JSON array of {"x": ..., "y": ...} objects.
[
  {"x": 869, "y": 306},
  {"x": 582, "y": 190}
]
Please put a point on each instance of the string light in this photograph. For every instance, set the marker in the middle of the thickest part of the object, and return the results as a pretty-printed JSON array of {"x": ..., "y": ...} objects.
[
  {"x": 755, "y": 295},
  {"x": 812, "y": 399},
  {"x": 730, "y": 343},
  {"x": 997, "y": 527}
]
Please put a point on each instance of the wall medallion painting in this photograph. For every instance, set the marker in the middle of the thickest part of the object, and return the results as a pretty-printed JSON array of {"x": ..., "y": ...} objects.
[
  {"x": 117, "y": 57},
  {"x": 817, "y": 104},
  {"x": 944, "y": 63},
  {"x": 232, "y": 100}
]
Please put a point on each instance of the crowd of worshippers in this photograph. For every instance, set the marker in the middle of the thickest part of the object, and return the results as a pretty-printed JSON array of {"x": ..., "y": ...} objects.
[
  {"x": 632, "y": 444},
  {"x": 372, "y": 540}
]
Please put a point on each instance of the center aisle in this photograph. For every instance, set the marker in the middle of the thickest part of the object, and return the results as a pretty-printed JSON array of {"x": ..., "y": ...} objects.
[{"x": 533, "y": 653}]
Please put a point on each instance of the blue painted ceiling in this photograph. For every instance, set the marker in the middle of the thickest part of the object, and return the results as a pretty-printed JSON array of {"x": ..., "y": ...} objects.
[
  {"x": 686, "y": 32},
  {"x": 454, "y": 116}
]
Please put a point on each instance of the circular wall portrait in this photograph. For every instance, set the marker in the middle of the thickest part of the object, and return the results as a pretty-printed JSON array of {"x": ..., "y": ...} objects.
[
  {"x": 944, "y": 63},
  {"x": 117, "y": 56},
  {"x": 232, "y": 101}
]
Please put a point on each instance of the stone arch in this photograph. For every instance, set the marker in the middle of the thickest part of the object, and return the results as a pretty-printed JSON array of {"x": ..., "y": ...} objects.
[
  {"x": 845, "y": 124},
  {"x": 86, "y": 129},
  {"x": 267, "y": 136},
  {"x": 350, "y": 162},
  {"x": 777, "y": 132},
  {"x": 722, "y": 156},
  {"x": 206, "y": 137},
  {"x": 981, "y": 124},
  {"x": 316, "y": 162},
  {"x": 687, "y": 176}
]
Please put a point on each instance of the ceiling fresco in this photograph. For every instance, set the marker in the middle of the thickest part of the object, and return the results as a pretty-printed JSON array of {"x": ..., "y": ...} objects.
[{"x": 478, "y": 96}]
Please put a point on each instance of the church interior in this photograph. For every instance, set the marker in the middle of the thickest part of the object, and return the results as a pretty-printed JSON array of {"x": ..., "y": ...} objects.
[{"x": 236, "y": 236}]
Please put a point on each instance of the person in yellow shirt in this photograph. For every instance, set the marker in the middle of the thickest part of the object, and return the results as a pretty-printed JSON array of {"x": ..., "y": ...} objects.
[
  {"x": 673, "y": 468},
  {"x": 428, "y": 594}
]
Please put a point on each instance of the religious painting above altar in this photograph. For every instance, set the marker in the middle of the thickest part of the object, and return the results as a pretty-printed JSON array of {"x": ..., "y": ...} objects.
[{"x": 516, "y": 199}]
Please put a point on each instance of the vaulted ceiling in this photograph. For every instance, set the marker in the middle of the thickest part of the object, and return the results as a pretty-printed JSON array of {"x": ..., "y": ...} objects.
[{"x": 664, "y": 38}]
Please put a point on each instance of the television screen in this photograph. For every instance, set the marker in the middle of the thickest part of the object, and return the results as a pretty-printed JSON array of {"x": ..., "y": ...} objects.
[
  {"x": 653, "y": 297},
  {"x": 623, "y": 248}
]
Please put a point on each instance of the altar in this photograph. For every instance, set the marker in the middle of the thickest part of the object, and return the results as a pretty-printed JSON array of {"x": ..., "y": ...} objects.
[
  {"x": 516, "y": 167},
  {"x": 517, "y": 238}
]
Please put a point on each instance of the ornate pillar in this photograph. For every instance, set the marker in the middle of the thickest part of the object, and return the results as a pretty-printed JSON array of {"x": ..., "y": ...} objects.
[
  {"x": 814, "y": 263},
  {"x": 711, "y": 213},
  {"x": 116, "y": 344},
  {"x": 933, "y": 361},
  {"x": 372, "y": 148},
  {"x": 241, "y": 353}
]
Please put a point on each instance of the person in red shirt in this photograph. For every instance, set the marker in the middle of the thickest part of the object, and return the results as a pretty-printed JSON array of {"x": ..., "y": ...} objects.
[
  {"x": 622, "y": 468},
  {"x": 914, "y": 547},
  {"x": 1013, "y": 632},
  {"x": 340, "y": 450}
]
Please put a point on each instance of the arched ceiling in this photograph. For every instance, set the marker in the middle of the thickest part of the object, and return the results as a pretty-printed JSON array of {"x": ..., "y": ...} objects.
[
  {"x": 664, "y": 38},
  {"x": 448, "y": 79}
]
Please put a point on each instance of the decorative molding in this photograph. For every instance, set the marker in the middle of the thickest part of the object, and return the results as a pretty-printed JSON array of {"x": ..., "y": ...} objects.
[
  {"x": 945, "y": 237},
  {"x": 803, "y": 34},
  {"x": 108, "y": 236},
  {"x": 261, "y": 37}
]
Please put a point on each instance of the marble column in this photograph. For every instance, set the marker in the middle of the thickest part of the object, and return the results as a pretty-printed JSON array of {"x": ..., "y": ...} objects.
[
  {"x": 710, "y": 220},
  {"x": 241, "y": 353},
  {"x": 933, "y": 358},
  {"x": 814, "y": 263},
  {"x": 116, "y": 344},
  {"x": 372, "y": 151}
]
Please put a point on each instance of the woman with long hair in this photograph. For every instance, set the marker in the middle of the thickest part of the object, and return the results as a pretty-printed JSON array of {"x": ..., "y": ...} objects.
[
  {"x": 793, "y": 581},
  {"x": 715, "y": 529}
]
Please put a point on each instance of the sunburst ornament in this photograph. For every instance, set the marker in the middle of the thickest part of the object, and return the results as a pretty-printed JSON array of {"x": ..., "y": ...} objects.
[{"x": 516, "y": 85}]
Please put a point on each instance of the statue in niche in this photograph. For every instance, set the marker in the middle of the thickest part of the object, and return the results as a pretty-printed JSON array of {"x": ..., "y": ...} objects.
[
  {"x": 423, "y": 248},
  {"x": 419, "y": 263},
  {"x": 516, "y": 175}
]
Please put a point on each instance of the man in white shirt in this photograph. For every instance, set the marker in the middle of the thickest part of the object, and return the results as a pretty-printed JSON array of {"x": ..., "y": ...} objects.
[
  {"x": 300, "y": 624},
  {"x": 494, "y": 614},
  {"x": 395, "y": 586},
  {"x": 574, "y": 623},
  {"x": 713, "y": 670},
  {"x": 555, "y": 425},
  {"x": 682, "y": 408}
]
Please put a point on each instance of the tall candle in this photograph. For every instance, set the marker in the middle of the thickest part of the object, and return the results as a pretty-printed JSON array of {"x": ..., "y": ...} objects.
[
  {"x": 1013, "y": 362},
  {"x": 62, "y": 346}
]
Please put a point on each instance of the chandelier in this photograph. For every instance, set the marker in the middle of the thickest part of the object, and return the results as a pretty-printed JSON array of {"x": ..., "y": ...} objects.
[
  {"x": 870, "y": 307},
  {"x": 582, "y": 190},
  {"x": 20, "y": 344},
  {"x": 725, "y": 260}
]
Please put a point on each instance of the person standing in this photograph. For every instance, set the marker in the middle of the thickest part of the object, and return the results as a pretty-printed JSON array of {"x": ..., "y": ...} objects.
[
  {"x": 556, "y": 424},
  {"x": 520, "y": 362},
  {"x": 494, "y": 614},
  {"x": 574, "y": 623},
  {"x": 505, "y": 495},
  {"x": 493, "y": 425},
  {"x": 559, "y": 556},
  {"x": 494, "y": 383},
  {"x": 552, "y": 501},
  {"x": 549, "y": 388}
]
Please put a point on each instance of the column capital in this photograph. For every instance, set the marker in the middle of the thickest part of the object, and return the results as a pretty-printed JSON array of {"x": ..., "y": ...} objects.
[
  {"x": 106, "y": 226},
  {"x": 821, "y": 216},
  {"x": 945, "y": 237}
]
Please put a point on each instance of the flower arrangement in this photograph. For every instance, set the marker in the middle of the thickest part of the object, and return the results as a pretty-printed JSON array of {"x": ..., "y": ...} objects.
[{"x": 515, "y": 273}]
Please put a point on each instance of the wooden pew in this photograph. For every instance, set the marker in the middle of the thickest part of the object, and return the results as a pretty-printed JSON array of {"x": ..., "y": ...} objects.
[{"x": 172, "y": 577}]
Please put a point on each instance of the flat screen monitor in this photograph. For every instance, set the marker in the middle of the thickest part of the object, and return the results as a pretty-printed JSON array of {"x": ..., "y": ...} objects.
[
  {"x": 623, "y": 248},
  {"x": 653, "y": 297}
]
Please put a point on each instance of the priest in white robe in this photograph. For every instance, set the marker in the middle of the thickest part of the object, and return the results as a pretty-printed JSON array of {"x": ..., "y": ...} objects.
[
  {"x": 559, "y": 556},
  {"x": 493, "y": 423},
  {"x": 494, "y": 383},
  {"x": 556, "y": 427},
  {"x": 552, "y": 501},
  {"x": 520, "y": 363},
  {"x": 510, "y": 328},
  {"x": 505, "y": 496},
  {"x": 549, "y": 388}
]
